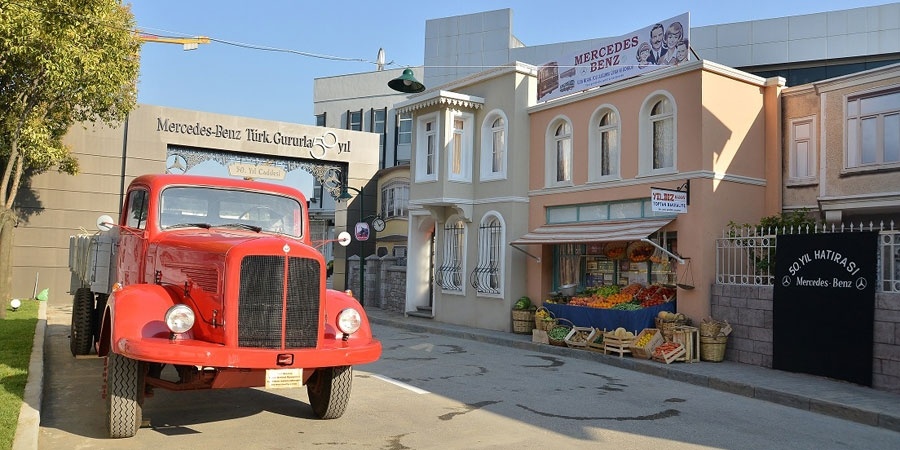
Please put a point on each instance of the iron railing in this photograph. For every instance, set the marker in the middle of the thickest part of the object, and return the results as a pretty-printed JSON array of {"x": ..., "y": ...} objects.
[{"x": 746, "y": 255}]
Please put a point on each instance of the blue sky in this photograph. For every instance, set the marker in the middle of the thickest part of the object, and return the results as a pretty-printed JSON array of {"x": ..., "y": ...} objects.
[{"x": 274, "y": 85}]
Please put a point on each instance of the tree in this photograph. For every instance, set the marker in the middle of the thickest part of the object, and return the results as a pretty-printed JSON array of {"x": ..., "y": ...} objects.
[{"x": 61, "y": 63}]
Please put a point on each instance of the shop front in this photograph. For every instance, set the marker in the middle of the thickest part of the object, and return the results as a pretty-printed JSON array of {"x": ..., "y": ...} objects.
[{"x": 611, "y": 274}]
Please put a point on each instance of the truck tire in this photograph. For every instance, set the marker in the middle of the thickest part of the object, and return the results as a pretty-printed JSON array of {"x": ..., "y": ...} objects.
[
  {"x": 329, "y": 391},
  {"x": 124, "y": 395},
  {"x": 81, "y": 331}
]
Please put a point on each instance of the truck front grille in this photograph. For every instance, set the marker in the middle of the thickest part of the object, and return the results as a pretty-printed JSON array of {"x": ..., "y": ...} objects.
[{"x": 266, "y": 302}]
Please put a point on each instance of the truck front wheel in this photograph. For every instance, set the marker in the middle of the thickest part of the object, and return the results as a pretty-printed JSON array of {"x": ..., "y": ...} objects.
[
  {"x": 81, "y": 331},
  {"x": 329, "y": 391},
  {"x": 124, "y": 395}
]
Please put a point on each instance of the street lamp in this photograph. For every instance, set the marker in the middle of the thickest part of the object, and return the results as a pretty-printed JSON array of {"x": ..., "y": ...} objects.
[{"x": 362, "y": 260}]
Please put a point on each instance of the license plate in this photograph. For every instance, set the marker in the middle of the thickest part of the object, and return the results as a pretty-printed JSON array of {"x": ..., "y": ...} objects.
[{"x": 284, "y": 378}]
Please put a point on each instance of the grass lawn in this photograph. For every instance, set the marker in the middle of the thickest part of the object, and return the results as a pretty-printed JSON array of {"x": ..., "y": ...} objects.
[{"x": 16, "y": 338}]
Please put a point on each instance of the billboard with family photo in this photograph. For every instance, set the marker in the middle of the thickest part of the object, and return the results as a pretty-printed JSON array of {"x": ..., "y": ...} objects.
[{"x": 662, "y": 44}]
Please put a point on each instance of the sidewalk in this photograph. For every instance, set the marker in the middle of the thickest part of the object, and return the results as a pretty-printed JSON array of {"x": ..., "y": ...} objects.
[{"x": 808, "y": 392}]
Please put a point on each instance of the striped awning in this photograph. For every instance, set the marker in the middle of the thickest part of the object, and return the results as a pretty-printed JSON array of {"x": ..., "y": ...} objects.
[{"x": 624, "y": 230}]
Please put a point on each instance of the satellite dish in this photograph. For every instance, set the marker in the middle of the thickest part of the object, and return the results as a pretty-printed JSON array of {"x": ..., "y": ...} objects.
[
  {"x": 379, "y": 61},
  {"x": 344, "y": 238},
  {"x": 105, "y": 223}
]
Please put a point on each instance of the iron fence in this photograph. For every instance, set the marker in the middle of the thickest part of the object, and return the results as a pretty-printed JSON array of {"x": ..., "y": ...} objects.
[{"x": 746, "y": 255}]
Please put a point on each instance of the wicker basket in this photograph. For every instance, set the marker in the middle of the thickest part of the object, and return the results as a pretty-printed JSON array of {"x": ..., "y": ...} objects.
[
  {"x": 712, "y": 348},
  {"x": 561, "y": 342},
  {"x": 666, "y": 327},
  {"x": 523, "y": 320},
  {"x": 545, "y": 325}
]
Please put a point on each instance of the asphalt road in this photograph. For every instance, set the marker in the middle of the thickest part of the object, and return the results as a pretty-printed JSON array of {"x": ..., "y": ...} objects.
[{"x": 438, "y": 392}]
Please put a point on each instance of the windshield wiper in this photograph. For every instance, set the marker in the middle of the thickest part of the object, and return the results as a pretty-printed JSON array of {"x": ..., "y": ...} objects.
[
  {"x": 244, "y": 226},
  {"x": 189, "y": 225}
]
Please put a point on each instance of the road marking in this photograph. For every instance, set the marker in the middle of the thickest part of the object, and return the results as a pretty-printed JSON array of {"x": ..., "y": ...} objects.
[{"x": 401, "y": 384}]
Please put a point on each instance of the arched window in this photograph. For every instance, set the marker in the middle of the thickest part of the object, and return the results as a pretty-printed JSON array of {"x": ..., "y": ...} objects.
[
  {"x": 658, "y": 135},
  {"x": 494, "y": 132},
  {"x": 487, "y": 278},
  {"x": 559, "y": 154},
  {"x": 450, "y": 273},
  {"x": 603, "y": 156}
]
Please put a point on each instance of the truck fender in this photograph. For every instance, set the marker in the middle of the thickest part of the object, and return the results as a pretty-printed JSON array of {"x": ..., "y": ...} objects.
[
  {"x": 135, "y": 312},
  {"x": 337, "y": 301}
]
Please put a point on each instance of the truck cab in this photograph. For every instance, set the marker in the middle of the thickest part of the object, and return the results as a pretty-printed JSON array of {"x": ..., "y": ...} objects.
[{"x": 215, "y": 284}]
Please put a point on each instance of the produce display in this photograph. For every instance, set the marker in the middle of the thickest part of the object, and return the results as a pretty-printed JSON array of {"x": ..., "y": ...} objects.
[
  {"x": 523, "y": 303},
  {"x": 628, "y": 298},
  {"x": 558, "y": 333}
]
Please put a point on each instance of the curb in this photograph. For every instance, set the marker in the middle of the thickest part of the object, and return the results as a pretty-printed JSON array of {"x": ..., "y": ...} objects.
[{"x": 29, "y": 424}]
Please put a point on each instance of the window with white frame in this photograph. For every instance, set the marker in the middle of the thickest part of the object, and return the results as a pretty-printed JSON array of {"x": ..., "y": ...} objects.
[
  {"x": 657, "y": 137},
  {"x": 403, "y": 151},
  {"x": 802, "y": 153},
  {"x": 395, "y": 198},
  {"x": 487, "y": 276},
  {"x": 493, "y": 146},
  {"x": 450, "y": 273},
  {"x": 559, "y": 154},
  {"x": 427, "y": 145},
  {"x": 603, "y": 153},
  {"x": 873, "y": 129},
  {"x": 459, "y": 164}
]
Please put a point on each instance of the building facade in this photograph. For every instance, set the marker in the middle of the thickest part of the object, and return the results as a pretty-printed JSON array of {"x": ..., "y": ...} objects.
[
  {"x": 842, "y": 147},
  {"x": 597, "y": 156},
  {"x": 468, "y": 197}
]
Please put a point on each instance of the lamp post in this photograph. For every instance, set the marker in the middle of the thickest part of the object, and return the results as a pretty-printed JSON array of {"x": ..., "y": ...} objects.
[{"x": 362, "y": 260}]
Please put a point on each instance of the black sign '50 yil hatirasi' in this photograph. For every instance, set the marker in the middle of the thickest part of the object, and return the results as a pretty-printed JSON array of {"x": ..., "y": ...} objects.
[{"x": 824, "y": 304}]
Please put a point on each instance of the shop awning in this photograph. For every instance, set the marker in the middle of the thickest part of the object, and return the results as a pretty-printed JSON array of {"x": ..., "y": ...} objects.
[{"x": 623, "y": 230}]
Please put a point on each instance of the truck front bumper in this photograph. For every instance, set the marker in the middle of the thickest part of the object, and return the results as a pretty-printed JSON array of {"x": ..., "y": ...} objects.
[{"x": 329, "y": 353}]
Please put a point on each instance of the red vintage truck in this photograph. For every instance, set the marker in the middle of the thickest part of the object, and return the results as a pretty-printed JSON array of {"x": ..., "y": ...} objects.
[{"x": 209, "y": 283}]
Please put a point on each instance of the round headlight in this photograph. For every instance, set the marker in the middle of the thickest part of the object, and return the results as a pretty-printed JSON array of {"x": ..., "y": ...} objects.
[
  {"x": 179, "y": 318},
  {"x": 349, "y": 321}
]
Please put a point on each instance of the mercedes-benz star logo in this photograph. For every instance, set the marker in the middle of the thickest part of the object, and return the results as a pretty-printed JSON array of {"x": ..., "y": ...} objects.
[
  {"x": 861, "y": 283},
  {"x": 786, "y": 281}
]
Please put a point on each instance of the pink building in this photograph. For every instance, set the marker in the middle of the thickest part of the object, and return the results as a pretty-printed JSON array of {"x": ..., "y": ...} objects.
[{"x": 699, "y": 127}]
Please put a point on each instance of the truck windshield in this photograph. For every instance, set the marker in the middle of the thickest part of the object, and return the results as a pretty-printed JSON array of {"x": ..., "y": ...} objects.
[{"x": 212, "y": 207}]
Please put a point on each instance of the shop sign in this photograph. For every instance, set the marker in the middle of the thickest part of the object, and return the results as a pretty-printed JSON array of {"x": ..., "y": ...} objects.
[
  {"x": 823, "y": 307},
  {"x": 264, "y": 171},
  {"x": 318, "y": 147},
  {"x": 668, "y": 200},
  {"x": 613, "y": 59}
]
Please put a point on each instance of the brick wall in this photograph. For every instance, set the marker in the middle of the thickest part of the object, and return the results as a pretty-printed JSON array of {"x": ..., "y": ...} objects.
[{"x": 749, "y": 311}]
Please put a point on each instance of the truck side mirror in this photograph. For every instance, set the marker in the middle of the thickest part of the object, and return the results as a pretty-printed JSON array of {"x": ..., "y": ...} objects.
[{"x": 105, "y": 223}]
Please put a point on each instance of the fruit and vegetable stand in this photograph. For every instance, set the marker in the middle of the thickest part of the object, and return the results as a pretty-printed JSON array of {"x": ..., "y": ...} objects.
[{"x": 610, "y": 319}]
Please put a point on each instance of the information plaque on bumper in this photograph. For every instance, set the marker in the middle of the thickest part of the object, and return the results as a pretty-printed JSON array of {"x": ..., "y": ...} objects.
[{"x": 284, "y": 378}]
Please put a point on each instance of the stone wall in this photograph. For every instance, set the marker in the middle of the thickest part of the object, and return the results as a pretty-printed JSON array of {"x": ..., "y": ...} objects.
[
  {"x": 749, "y": 311},
  {"x": 385, "y": 282}
]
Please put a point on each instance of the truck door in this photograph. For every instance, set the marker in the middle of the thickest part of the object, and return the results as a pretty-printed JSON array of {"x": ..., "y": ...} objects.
[{"x": 132, "y": 238}]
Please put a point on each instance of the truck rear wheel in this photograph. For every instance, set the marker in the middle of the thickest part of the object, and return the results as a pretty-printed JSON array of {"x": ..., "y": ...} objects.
[
  {"x": 329, "y": 391},
  {"x": 124, "y": 395},
  {"x": 81, "y": 331}
]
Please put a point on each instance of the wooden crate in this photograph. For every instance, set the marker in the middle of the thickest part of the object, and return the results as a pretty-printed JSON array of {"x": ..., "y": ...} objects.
[
  {"x": 689, "y": 337},
  {"x": 578, "y": 337},
  {"x": 646, "y": 351},
  {"x": 595, "y": 340},
  {"x": 669, "y": 356},
  {"x": 613, "y": 344}
]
